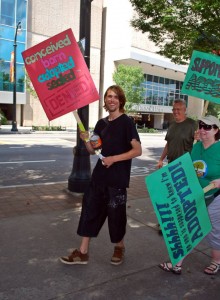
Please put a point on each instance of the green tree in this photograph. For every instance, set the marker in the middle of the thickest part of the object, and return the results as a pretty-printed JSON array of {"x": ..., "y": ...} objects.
[
  {"x": 178, "y": 27},
  {"x": 213, "y": 109},
  {"x": 29, "y": 86},
  {"x": 130, "y": 79}
]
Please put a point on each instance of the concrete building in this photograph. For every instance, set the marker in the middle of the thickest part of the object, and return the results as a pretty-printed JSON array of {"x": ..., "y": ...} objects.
[{"x": 113, "y": 42}]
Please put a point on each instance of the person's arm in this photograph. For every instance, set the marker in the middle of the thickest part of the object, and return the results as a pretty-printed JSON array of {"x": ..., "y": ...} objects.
[
  {"x": 216, "y": 183},
  {"x": 163, "y": 156},
  {"x": 135, "y": 151}
]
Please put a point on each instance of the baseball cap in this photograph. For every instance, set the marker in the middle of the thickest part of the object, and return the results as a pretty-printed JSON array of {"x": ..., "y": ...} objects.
[{"x": 210, "y": 120}]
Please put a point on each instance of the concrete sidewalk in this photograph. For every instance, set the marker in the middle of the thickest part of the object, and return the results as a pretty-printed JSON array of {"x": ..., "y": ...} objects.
[{"x": 38, "y": 224}]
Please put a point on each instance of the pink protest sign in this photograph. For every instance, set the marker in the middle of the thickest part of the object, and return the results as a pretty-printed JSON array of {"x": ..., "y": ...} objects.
[{"x": 60, "y": 75}]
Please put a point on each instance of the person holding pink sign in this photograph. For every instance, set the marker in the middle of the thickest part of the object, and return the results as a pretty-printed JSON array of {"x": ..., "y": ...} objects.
[
  {"x": 106, "y": 196},
  {"x": 206, "y": 160}
]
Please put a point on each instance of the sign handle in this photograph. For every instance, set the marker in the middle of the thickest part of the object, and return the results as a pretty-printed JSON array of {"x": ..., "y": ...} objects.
[
  {"x": 208, "y": 187},
  {"x": 203, "y": 113},
  {"x": 79, "y": 122},
  {"x": 205, "y": 108}
]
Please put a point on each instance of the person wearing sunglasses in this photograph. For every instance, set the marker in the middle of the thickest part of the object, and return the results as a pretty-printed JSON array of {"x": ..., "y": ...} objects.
[{"x": 206, "y": 160}]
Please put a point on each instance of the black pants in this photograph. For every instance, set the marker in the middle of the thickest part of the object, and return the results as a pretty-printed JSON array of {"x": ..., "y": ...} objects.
[{"x": 99, "y": 203}]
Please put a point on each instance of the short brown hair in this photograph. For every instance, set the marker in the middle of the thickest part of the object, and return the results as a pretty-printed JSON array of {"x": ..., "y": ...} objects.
[{"x": 121, "y": 96}]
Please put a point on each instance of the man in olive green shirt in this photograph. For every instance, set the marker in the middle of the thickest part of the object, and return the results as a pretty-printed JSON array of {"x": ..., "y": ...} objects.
[{"x": 180, "y": 135}]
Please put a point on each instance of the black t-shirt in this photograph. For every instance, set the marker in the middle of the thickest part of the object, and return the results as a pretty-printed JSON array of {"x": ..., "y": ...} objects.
[{"x": 116, "y": 139}]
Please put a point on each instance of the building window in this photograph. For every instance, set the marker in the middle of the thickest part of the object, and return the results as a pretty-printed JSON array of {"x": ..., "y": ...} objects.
[
  {"x": 162, "y": 91},
  {"x": 12, "y": 12},
  {"x": 7, "y": 12}
]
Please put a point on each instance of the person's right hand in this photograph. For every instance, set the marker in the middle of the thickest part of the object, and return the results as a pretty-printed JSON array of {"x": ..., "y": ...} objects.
[
  {"x": 216, "y": 183},
  {"x": 160, "y": 164}
]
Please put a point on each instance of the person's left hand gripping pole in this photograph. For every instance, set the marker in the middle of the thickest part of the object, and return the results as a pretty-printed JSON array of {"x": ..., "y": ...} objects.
[{"x": 80, "y": 124}]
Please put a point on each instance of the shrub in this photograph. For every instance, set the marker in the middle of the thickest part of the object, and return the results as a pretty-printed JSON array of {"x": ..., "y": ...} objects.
[
  {"x": 48, "y": 128},
  {"x": 147, "y": 130},
  {"x": 3, "y": 119}
]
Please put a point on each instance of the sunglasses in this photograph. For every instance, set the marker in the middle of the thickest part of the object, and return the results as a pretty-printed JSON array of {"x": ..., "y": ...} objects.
[{"x": 206, "y": 127}]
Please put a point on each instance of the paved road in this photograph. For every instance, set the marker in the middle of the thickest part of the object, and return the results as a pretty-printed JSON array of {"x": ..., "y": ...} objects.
[{"x": 44, "y": 158}]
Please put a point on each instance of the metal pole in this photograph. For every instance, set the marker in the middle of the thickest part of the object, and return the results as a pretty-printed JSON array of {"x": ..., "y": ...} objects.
[
  {"x": 81, "y": 171},
  {"x": 14, "y": 122}
]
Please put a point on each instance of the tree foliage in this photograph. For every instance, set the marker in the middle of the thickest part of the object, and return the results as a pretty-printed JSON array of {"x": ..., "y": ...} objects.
[
  {"x": 213, "y": 109},
  {"x": 130, "y": 78},
  {"x": 29, "y": 86},
  {"x": 178, "y": 27}
]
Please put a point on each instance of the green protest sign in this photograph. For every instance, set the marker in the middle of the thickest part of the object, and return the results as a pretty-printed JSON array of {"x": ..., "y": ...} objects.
[
  {"x": 203, "y": 77},
  {"x": 179, "y": 204}
]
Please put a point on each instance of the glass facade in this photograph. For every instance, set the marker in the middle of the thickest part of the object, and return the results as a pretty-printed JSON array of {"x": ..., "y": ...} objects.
[
  {"x": 12, "y": 12},
  {"x": 162, "y": 91}
]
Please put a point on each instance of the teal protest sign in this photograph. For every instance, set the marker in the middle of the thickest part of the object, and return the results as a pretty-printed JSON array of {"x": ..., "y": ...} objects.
[
  {"x": 179, "y": 204},
  {"x": 203, "y": 77}
]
